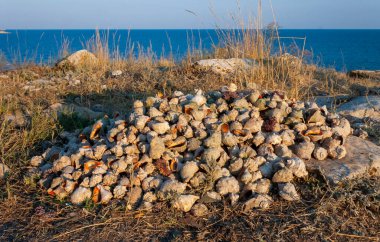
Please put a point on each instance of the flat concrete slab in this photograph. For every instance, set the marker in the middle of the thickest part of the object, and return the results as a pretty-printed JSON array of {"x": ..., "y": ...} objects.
[{"x": 363, "y": 159}]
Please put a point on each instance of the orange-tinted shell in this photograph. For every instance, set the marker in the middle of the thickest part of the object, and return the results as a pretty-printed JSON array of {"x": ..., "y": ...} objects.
[
  {"x": 95, "y": 130},
  {"x": 225, "y": 128},
  {"x": 89, "y": 165},
  {"x": 96, "y": 195},
  {"x": 163, "y": 167}
]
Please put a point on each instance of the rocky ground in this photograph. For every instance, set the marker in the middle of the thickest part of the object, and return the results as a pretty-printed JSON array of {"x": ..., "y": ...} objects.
[{"x": 331, "y": 193}]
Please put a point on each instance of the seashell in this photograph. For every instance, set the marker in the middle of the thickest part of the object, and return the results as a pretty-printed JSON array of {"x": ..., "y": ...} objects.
[
  {"x": 193, "y": 144},
  {"x": 320, "y": 153},
  {"x": 314, "y": 133},
  {"x": 199, "y": 210},
  {"x": 337, "y": 153},
  {"x": 300, "y": 127},
  {"x": 253, "y": 164},
  {"x": 282, "y": 176},
  {"x": 211, "y": 155},
  {"x": 256, "y": 176},
  {"x": 261, "y": 104},
  {"x": 96, "y": 129},
  {"x": 56, "y": 182},
  {"x": 99, "y": 151},
  {"x": 235, "y": 166},
  {"x": 258, "y": 201},
  {"x": 141, "y": 121},
  {"x": 76, "y": 175},
  {"x": 68, "y": 170},
  {"x": 276, "y": 114},
  {"x": 258, "y": 139},
  {"x": 288, "y": 192},
  {"x": 111, "y": 135},
  {"x": 211, "y": 197},
  {"x": 150, "y": 183},
  {"x": 219, "y": 172},
  {"x": 254, "y": 96},
  {"x": 80, "y": 195},
  {"x": 85, "y": 182},
  {"x": 163, "y": 167},
  {"x": 214, "y": 140},
  {"x": 95, "y": 180},
  {"x": 69, "y": 186},
  {"x": 265, "y": 149},
  {"x": 188, "y": 170},
  {"x": 316, "y": 117},
  {"x": 157, "y": 148},
  {"x": 267, "y": 169},
  {"x": 282, "y": 151},
  {"x": 198, "y": 115},
  {"x": 160, "y": 127},
  {"x": 109, "y": 179},
  {"x": 343, "y": 128},
  {"x": 229, "y": 139},
  {"x": 227, "y": 185},
  {"x": 231, "y": 88},
  {"x": 247, "y": 152},
  {"x": 261, "y": 186},
  {"x": 105, "y": 195},
  {"x": 273, "y": 139},
  {"x": 198, "y": 179},
  {"x": 36, "y": 161},
  {"x": 185, "y": 202},
  {"x": 149, "y": 197},
  {"x": 234, "y": 198},
  {"x": 241, "y": 103},
  {"x": 180, "y": 141},
  {"x": 188, "y": 132},
  {"x": 124, "y": 181},
  {"x": 171, "y": 187},
  {"x": 154, "y": 112},
  {"x": 119, "y": 191},
  {"x": 254, "y": 125},
  {"x": 304, "y": 150},
  {"x": 246, "y": 177},
  {"x": 297, "y": 166},
  {"x": 90, "y": 165},
  {"x": 199, "y": 99},
  {"x": 134, "y": 198},
  {"x": 244, "y": 117},
  {"x": 61, "y": 163}
]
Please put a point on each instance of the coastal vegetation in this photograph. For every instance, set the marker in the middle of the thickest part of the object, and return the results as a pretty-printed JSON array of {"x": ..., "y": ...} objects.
[{"x": 29, "y": 124}]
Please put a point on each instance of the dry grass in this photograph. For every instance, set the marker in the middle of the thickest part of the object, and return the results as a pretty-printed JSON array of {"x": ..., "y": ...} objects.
[{"x": 349, "y": 212}]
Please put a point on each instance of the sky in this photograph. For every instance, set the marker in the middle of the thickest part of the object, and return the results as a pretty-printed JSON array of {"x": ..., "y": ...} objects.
[{"x": 185, "y": 14}]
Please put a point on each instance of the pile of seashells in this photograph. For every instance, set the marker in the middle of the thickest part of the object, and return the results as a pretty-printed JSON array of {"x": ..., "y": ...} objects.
[{"x": 193, "y": 150}]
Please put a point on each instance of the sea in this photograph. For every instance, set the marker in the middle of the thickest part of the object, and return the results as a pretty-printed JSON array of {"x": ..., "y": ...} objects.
[{"x": 342, "y": 50}]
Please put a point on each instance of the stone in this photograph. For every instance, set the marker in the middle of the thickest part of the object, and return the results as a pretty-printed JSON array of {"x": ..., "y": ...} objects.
[
  {"x": 77, "y": 59},
  {"x": 199, "y": 210},
  {"x": 225, "y": 66},
  {"x": 36, "y": 161},
  {"x": 258, "y": 201},
  {"x": 283, "y": 175},
  {"x": 4, "y": 171},
  {"x": 362, "y": 159},
  {"x": 361, "y": 107},
  {"x": 227, "y": 185},
  {"x": 157, "y": 148},
  {"x": 185, "y": 202},
  {"x": 80, "y": 195},
  {"x": 364, "y": 74},
  {"x": 288, "y": 191},
  {"x": 188, "y": 170},
  {"x": 62, "y": 109},
  {"x": 116, "y": 73}
]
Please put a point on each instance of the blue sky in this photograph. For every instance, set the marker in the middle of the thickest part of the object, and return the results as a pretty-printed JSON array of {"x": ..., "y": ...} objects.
[{"x": 161, "y": 14}]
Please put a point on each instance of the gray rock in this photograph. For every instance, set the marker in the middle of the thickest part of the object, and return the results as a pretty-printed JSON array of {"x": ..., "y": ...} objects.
[
  {"x": 225, "y": 66},
  {"x": 78, "y": 58},
  {"x": 362, "y": 159},
  {"x": 364, "y": 74},
  {"x": 362, "y": 107},
  {"x": 227, "y": 185},
  {"x": 82, "y": 112}
]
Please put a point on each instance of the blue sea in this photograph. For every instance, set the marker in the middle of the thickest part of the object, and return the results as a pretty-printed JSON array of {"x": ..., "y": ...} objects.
[{"x": 340, "y": 49}]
